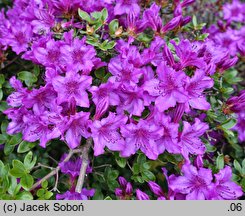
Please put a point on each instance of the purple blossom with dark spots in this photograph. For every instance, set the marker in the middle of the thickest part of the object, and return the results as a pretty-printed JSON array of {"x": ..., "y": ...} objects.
[
  {"x": 168, "y": 88},
  {"x": 141, "y": 136},
  {"x": 196, "y": 184}
]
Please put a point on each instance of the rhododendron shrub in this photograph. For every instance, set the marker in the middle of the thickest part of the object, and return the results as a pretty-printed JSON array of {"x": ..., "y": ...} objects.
[{"x": 122, "y": 99}]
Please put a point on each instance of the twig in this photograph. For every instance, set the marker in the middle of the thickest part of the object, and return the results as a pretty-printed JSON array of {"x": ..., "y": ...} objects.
[
  {"x": 56, "y": 183},
  {"x": 84, "y": 165},
  {"x": 104, "y": 165},
  {"x": 56, "y": 170}
]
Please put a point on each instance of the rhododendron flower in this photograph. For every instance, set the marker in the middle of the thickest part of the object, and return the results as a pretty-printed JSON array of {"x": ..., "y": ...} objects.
[
  {"x": 72, "y": 86},
  {"x": 50, "y": 55},
  {"x": 16, "y": 98},
  {"x": 76, "y": 127},
  {"x": 40, "y": 126},
  {"x": 195, "y": 87},
  {"x": 125, "y": 6},
  {"x": 123, "y": 72},
  {"x": 234, "y": 11},
  {"x": 105, "y": 133},
  {"x": 71, "y": 195},
  {"x": 104, "y": 96},
  {"x": 196, "y": 184},
  {"x": 126, "y": 190},
  {"x": 157, "y": 190},
  {"x": 237, "y": 103},
  {"x": 189, "y": 140},
  {"x": 20, "y": 36},
  {"x": 141, "y": 136},
  {"x": 140, "y": 195},
  {"x": 168, "y": 88},
  {"x": 72, "y": 167},
  {"x": 224, "y": 188},
  {"x": 79, "y": 56}
]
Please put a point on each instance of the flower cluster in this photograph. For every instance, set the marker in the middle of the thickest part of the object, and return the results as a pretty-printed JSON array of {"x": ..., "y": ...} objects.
[{"x": 151, "y": 101}]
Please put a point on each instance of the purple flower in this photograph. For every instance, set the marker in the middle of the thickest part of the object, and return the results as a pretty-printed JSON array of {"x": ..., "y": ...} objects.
[
  {"x": 104, "y": 96},
  {"x": 16, "y": 115},
  {"x": 140, "y": 195},
  {"x": 141, "y": 136},
  {"x": 169, "y": 140},
  {"x": 125, "y": 6},
  {"x": 224, "y": 188},
  {"x": 76, "y": 127},
  {"x": 195, "y": 87},
  {"x": 240, "y": 126},
  {"x": 41, "y": 126},
  {"x": 236, "y": 103},
  {"x": 72, "y": 167},
  {"x": 123, "y": 72},
  {"x": 17, "y": 97},
  {"x": 189, "y": 140},
  {"x": 234, "y": 11},
  {"x": 20, "y": 36},
  {"x": 73, "y": 86},
  {"x": 168, "y": 88},
  {"x": 50, "y": 55},
  {"x": 105, "y": 133},
  {"x": 132, "y": 100},
  {"x": 151, "y": 18},
  {"x": 157, "y": 190},
  {"x": 188, "y": 56},
  {"x": 42, "y": 97},
  {"x": 71, "y": 195},
  {"x": 79, "y": 56},
  {"x": 126, "y": 190},
  {"x": 194, "y": 183}
]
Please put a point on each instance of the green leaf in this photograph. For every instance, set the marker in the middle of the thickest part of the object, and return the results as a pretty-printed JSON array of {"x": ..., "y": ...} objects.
[
  {"x": 220, "y": 162},
  {"x": 237, "y": 166},
  {"x": 24, "y": 195},
  {"x": 84, "y": 15},
  {"x": 108, "y": 198},
  {"x": 41, "y": 192},
  {"x": 3, "y": 139},
  {"x": 26, "y": 181},
  {"x": 136, "y": 168},
  {"x": 48, "y": 195},
  {"x": 203, "y": 36},
  {"x": 145, "y": 38},
  {"x": 28, "y": 77},
  {"x": 121, "y": 161},
  {"x": 113, "y": 175},
  {"x": 18, "y": 169},
  {"x": 29, "y": 161},
  {"x": 104, "y": 14},
  {"x": 15, "y": 140},
  {"x": 228, "y": 124},
  {"x": 4, "y": 126},
  {"x": 148, "y": 175},
  {"x": 194, "y": 21},
  {"x": 12, "y": 185},
  {"x": 44, "y": 184},
  {"x": 141, "y": 159},
  {"x": 25, "y": 146},
  {"x": 2, "y": 80},
  {"x": 100, "y": 73},
  {"x": 113, "y": 26},
  {"x": 1, "y": 94},
  {"x": 8, "y": 149}
]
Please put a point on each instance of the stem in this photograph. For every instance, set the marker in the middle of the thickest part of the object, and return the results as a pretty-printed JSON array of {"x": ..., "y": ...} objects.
[
  {"x": 84, "y": 165},
  {"x": 56, "y": 170}
]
